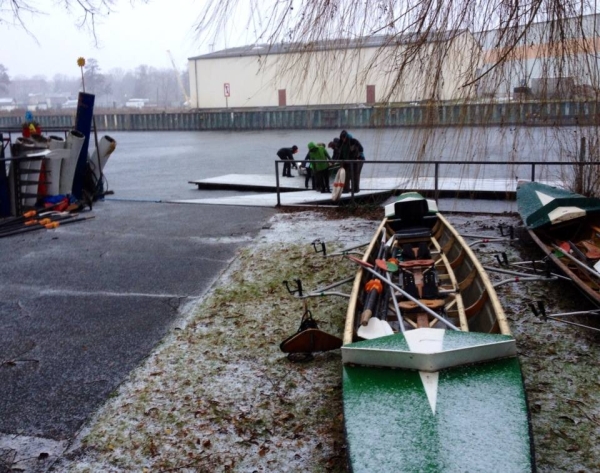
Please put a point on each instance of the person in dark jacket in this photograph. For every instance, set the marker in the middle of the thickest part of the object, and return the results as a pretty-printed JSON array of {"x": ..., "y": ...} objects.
[
  {"x": 287, "y": 156},
  {"x": 351, "y": 150},
  {"x": 334, "y": 146},
  {"x": 309, "y": 172}
]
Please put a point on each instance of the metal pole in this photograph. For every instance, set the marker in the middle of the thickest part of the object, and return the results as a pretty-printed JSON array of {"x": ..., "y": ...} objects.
[
  {"x": 579, "y": 312},
  {"x": 579, "y": 188},
  {"x": 437, "y": 173},
  {"x": 277, "y": 183},
  {"x": 4, "y": 187},
  {"x": 532, "y": 172},
  {"x": 576, "y": 324},
  {"x": 352, "y": 164},
  {"x": 396, "y": 307},
  {"x": 513, "y": 273}
]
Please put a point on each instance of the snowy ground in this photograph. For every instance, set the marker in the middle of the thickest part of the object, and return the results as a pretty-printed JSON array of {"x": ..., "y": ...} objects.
[{"x": 218, "y": 394}]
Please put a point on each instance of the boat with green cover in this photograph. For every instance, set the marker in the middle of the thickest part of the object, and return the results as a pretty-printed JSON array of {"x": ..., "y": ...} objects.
[
  {"x": 566, "y": 226},
  {"x": 431, "y": 381}
]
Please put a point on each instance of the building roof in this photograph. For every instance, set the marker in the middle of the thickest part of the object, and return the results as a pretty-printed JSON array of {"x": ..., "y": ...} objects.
[{"x": 375, "y": 41}]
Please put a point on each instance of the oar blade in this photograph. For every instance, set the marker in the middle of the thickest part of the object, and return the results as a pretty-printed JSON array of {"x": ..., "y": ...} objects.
[{"x": 376, "y": 328}]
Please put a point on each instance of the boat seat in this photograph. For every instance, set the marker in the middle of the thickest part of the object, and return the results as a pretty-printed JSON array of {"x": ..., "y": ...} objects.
[
  {"x": 410, "y": 306},
  {"x": 592, "y": 251},
  {"x": 415, "y": 263},
  {"x": 405, "y": 228},
  {"x": 411, "y": 210},
  {"x": 413, "y": 232}
]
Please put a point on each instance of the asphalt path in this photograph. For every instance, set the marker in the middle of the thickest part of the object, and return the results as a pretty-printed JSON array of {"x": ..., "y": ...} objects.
[{"x": 82, "y": 305}]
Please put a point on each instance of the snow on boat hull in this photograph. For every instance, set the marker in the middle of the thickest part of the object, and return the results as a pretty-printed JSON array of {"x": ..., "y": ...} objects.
[{"x": 479, "y": 424}]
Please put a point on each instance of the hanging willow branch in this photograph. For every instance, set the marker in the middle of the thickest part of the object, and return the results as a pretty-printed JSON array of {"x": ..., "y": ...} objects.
[
  {"x": 419, "y": 31},
  {"x": 85, "y": 12},
  {"x": 471, "y": 52}
]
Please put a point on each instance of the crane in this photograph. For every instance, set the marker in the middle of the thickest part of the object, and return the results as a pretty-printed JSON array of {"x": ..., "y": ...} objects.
[{"x": 179, "y": 81}]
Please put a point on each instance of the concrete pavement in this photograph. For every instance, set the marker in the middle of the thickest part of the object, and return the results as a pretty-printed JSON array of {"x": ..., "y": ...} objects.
[{"x": 82, "y": 305}]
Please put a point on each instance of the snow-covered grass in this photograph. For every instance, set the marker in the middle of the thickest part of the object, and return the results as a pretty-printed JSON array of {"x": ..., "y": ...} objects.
[{"x": 218, "y": 394}]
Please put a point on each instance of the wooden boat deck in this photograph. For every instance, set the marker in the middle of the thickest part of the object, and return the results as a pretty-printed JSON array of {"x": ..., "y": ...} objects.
[{"x": 293, "y": 191}]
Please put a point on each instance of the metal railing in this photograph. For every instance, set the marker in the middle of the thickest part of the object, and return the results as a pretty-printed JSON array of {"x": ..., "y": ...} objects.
[{"x": 533, "y": 165}]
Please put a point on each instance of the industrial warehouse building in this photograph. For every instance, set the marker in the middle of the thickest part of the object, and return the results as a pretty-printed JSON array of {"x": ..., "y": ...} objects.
[
  {"x": 375, "y": 69},
  {"x": 551, "y": 60},
  {"x": 334, "y": 73}
]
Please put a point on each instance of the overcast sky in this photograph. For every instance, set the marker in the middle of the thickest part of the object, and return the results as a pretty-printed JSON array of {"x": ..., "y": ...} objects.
[{"x": 128, "y": 37}]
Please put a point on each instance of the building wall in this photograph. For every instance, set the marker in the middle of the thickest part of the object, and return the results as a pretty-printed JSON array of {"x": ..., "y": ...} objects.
[
  {"x": 547, "y": 52},
  {"x": 335, "y": 77}
]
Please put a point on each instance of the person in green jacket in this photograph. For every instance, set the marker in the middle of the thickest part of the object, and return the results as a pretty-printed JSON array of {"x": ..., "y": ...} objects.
[{"x": 319, "y": 162}]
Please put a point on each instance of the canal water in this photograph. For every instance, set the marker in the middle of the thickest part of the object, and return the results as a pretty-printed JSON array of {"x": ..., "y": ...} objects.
[{"x": 157, "y": 166}]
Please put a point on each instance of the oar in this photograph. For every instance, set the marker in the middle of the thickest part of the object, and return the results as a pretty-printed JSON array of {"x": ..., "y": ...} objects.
[
  {"x": 373, "y": 288},
  {"x": 387, "y": 266},
  {"x": 369, "y": 268},
  {"x": 381, "y": 301},
  {"x": 576, "y": 261},
  {"x": 27, "y": 215},
  {"x": 30, "y": 229},
  {"x": 17, "y": 220},
  {"x": 48, "y": 226},
  {"x": 50, "y": 217},
  {"x": 374, "y": 329},
  {"x": 396, "y": 307}
]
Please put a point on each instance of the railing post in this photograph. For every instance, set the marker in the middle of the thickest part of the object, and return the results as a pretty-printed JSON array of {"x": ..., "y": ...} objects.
[
  {"x": 277, "y": 183},
  {"x": 437, "y": 172},
  {"x": 532, "y": 172},
  {"x": 352, "y": 166},
  {"x": 4, "y": 187},
  {"x": 579, "y": 187}
]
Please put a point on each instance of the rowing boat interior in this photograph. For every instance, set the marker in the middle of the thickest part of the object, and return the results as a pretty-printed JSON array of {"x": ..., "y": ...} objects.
[
  {"x": 433, "y": 279},
  {"x": 575, "y": 247}
]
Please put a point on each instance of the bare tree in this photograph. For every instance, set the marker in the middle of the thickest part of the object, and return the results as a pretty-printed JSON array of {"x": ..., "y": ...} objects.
[
  {"x": 4, "y": 79},
  {"x": 410, "y": 32},
  {"x": 85, "y": 12},
  {"x": 95, "y": 80}
]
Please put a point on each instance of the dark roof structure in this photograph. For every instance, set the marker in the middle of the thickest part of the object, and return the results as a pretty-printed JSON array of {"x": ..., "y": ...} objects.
[{"x": 375, "y": 41}]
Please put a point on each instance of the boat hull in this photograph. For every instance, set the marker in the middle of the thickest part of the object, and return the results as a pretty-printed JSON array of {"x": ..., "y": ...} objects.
[{"x": 480, "y": 421}]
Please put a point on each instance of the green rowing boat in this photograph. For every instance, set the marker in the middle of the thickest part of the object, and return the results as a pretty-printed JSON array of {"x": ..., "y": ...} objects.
[
  {"x": 431, "y": 381},
  {"x": 566, "y": 226}
]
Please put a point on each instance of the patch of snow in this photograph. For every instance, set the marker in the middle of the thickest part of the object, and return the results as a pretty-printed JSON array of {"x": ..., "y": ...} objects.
[{"x": 25, "y": 453}]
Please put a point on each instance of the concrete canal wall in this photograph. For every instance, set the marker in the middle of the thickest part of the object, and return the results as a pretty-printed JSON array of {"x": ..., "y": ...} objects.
[{"x": 564, "y": 113}]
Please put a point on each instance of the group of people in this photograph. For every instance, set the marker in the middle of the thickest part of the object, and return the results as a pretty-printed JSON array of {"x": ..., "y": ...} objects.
[{"x": 347, "y": 152}]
